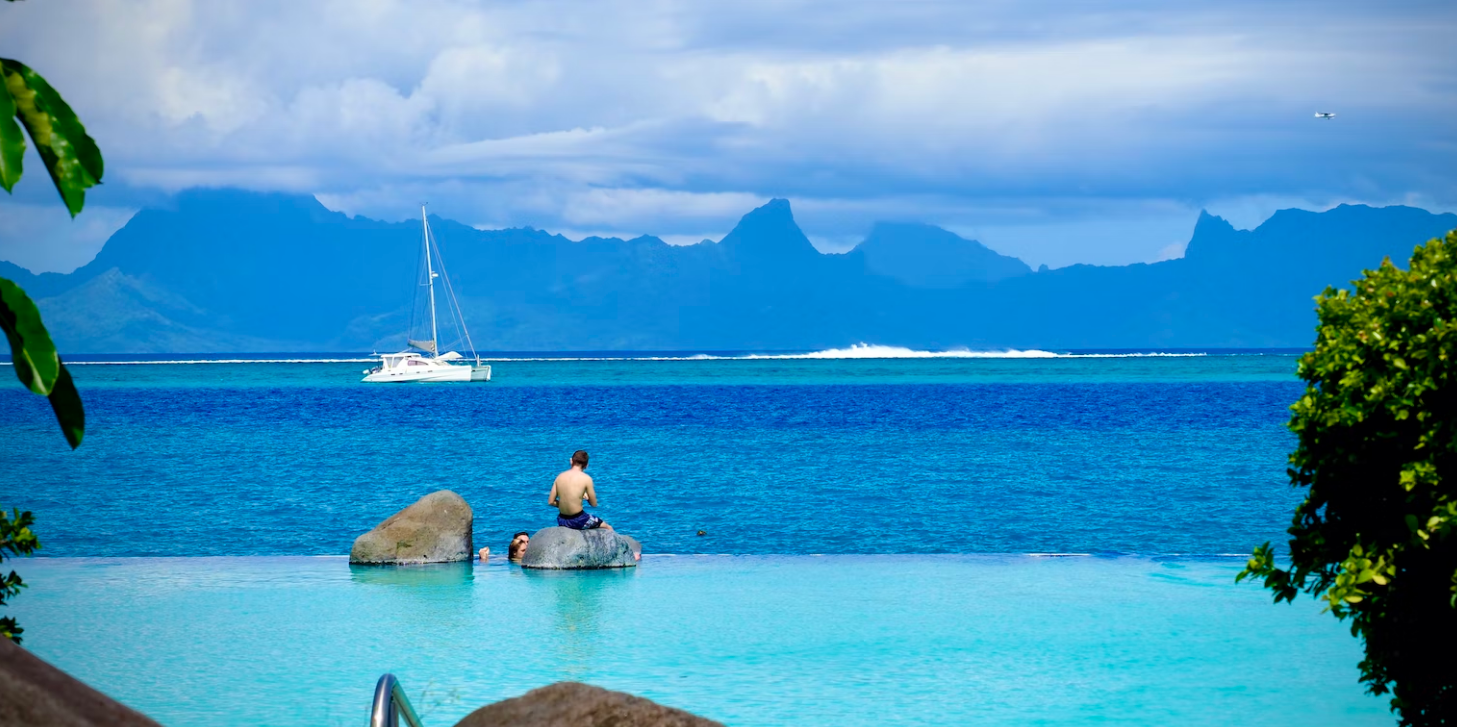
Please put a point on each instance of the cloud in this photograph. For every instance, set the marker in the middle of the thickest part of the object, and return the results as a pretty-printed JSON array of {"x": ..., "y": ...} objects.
[
  {"x": 1173, "y": 251},
  {"x": 994, "y": 117},
  {"x": 43, "y": 238},
  {"x": 637, "y": 207}
]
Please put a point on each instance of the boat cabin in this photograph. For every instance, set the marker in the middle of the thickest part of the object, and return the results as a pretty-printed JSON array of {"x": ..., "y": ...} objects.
[{"x": 392, "y": 361}]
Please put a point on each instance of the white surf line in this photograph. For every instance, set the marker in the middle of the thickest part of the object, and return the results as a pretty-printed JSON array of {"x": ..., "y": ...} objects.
[
  {"x": 219, "y": 361},
  {"x": 867, "y": 352}
]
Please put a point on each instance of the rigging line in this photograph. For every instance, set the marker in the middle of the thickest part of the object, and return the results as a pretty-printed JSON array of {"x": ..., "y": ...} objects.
[
  {"x": 430, "y": 279},
  {"x": 452, "y": 313},
  {"x": 454, "y": 302},
  {"x": 415, "y": 301}
]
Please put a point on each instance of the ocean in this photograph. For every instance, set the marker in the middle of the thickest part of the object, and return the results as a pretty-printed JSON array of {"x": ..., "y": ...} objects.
[
  {"x": 890, "y": 537},
  {"x": 1016, "y": 452}
]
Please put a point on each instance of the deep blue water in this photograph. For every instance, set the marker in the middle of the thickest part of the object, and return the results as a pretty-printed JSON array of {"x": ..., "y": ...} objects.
[{"x": 1137, "y": 455}]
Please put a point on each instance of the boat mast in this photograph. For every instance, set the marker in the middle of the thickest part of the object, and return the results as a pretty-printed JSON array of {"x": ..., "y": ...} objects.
[{"x": 430, "y": 280}]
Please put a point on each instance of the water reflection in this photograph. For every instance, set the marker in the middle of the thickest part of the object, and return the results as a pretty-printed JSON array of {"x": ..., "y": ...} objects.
[
  {"x": 583, "y": 600},
  {"x": 434, "y": 575}
]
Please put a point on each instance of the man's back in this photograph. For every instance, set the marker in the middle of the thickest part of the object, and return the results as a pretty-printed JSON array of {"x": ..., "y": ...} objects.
[
  {"x": 571, "y": 489},
  {"x": 568, "y": 492}
]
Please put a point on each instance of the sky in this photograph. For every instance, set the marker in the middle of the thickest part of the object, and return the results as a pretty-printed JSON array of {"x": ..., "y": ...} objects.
[{"x": 1060, "y": 132}]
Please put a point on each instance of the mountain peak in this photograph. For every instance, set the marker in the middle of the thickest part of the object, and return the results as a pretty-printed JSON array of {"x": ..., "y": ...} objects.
[
  {"x": 775, "y": 212},
  {"x": 776, "y": 204},
  {"x": 1213, "y": 237},
  {"x": 1212, "y": 224},
  {"x": 768, "y": 231}
]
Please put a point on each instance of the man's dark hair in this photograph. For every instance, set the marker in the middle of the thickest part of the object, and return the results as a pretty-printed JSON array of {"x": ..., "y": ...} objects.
[
  {"x": 579, "y": 458},
  {"x": 517, "y": 535}
]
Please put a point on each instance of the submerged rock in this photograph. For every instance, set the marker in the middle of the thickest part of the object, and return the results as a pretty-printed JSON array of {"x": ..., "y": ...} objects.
[
  {"x": 580, "y": 705},
  {"x": 32, "y": 692},
  {"x": 436, "y": 529},
  {"x": 560, "y": 548}
]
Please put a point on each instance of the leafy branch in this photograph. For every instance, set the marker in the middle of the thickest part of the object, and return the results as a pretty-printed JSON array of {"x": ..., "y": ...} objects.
[
  {"x": 1377, "y": 455},
  {"x": 15, "y": 539},
  {"x": 73, "y": 160}
]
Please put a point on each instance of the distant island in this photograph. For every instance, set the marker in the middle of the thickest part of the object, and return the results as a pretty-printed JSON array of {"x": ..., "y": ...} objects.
[{"x": 232, "y": 271}]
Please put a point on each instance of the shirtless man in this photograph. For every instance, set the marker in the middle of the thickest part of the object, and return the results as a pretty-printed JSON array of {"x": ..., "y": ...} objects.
[{"x": 568, "y": 492}]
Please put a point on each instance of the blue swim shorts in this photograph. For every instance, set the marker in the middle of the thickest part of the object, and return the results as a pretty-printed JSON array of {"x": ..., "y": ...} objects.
[{"x": 581, "y": 521}]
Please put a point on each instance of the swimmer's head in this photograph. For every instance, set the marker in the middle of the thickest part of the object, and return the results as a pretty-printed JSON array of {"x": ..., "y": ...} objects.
[
  {"x": 579, "y": 458},
  {"x": 517, "y": 548}
]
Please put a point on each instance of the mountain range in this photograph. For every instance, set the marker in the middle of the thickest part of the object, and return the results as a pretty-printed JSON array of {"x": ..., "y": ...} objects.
[{"x": 232, "y": 271}]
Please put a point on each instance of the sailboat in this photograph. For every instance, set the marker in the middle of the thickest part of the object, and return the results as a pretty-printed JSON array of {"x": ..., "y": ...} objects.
[{"x": 422, "y": 360}]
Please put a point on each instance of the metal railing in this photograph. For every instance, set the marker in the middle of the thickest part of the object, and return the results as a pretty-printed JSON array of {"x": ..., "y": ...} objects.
[{"x": 390, "y": 704}]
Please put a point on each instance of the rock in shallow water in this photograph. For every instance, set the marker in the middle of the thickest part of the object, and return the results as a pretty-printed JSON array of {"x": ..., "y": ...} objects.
[
  {"x": 436, "y": 529},
  {"x": 580, "y": 705},
  {"x": 560, "y": 548}
]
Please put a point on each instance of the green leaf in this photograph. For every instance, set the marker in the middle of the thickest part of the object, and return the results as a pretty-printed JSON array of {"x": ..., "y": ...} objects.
[
  {"x": 36, "y": 363},
  {"x": 66, "y": 403},
  {"x": 70, "y": 155},
  {"x": 12, "y": 143}
]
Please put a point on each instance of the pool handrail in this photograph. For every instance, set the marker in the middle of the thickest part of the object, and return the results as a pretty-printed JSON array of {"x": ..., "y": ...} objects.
[{"x": 391, "y": 703}]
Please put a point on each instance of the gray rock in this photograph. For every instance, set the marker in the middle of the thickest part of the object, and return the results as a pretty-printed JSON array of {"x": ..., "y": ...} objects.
[
  {"x": 436, "y": 529},
  {"x": 33, "y": 692},
  {"x": 580, "y": 705},
  {"x": 568, "y": 549}
]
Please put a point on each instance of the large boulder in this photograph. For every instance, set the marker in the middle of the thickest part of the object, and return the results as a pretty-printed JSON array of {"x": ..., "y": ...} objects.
[
  {"x": 436, "y": 529},
  {"x": 567, "y": 549},
  {"x": 579, "y": 705},
  {"x": 32, "y": 692}
]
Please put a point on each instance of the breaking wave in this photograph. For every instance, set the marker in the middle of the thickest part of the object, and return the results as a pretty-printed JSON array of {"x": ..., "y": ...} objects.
[
  {"x": 857, "y": 351},
  {"x": 865, "y": 351}
]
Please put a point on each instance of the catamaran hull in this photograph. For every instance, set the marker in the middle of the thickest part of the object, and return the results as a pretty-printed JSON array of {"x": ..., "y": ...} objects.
[{"x": 435, "y": 374}]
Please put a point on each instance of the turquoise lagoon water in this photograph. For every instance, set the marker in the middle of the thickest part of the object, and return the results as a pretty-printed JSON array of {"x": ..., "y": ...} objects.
[
  {"x": 881, "y": 515},
  {"x": 747, "y": 640}
]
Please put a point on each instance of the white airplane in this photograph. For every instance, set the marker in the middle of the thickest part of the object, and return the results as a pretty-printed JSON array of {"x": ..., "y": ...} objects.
[{"x": 1324, "y": 115}]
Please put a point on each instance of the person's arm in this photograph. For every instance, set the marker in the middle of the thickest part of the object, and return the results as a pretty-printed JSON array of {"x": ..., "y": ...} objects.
[
  {"x": 591, "y": 493},
  {"x": 551, "y": 497}
]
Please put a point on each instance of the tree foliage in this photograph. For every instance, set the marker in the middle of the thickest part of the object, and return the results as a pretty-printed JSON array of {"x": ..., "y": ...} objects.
[
  {"x": 74, "y": 163},
  {"x": 37, "y": 364},
  {"x": 1377, "y": 452},
  {"x": 70, "y": 155},
  {"x": 15, "y": 539}
]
